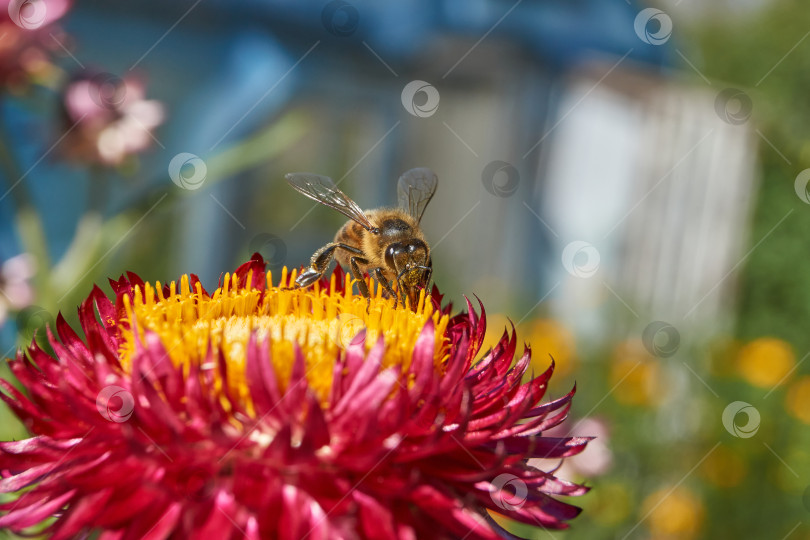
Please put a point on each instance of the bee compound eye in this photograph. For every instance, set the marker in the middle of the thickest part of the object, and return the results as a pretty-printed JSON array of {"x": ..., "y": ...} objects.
[{"x": 416, "y": 245}]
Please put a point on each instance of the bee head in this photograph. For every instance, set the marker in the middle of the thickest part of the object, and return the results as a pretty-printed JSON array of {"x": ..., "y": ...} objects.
[{"x": 407, "y": 259}]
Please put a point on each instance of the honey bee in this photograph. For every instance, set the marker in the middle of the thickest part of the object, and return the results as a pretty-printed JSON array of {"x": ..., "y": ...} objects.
[{"x": 385, "y": 243}]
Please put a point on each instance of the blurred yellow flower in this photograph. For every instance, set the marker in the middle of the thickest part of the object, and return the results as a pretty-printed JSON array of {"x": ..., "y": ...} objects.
[
  {"x": 551, "y": 339},
  {"x": 797, "y": 402},
  {"x": 547, "y": 338},
  {"x": 673, "y": 514},
  {"x": 636, "y": 374},
  {"x": 766, "y": 361},
  {"x": 724, "y": 467}
]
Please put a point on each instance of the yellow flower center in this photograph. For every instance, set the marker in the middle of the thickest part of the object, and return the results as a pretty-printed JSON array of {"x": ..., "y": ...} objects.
[{"x": 321, "y": 322}]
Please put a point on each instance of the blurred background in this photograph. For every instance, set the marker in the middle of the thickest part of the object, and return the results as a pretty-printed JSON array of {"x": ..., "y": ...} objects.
[{"x": 625, "y": 182}]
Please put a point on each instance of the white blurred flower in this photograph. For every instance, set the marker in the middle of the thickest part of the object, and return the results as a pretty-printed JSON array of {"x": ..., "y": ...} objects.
[
  {"x": 595, "y": 460},
  {"x": 15, "y": 291}
]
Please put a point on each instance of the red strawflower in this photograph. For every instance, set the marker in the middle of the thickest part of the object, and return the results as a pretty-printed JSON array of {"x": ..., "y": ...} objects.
[{"x": 255, "y": 412}]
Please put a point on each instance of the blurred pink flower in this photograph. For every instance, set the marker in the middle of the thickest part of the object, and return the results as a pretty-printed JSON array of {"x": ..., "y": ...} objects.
[
  {"x": 595, "y": 460},
  {"x": 109, "y": 118},
  {"x": 28, "y": 38},
  {"x": 15, "y": 291}
]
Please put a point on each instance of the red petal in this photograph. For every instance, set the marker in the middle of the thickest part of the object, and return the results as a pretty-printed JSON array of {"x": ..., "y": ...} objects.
[
  {"x": 365, "y": 373},
  {"x": 302, "y": 517},
  {"x": 447, "y": 510},
  {"x": 422, "y": 362},
  {"x": 261, "y": 377},
  {"x": 165, "y": 524},
  {"x": 81, "y": 514},
  {"x": 33, "y": 511},
  {"x": 376, "y": 520},
  {"x": 545, "y": 447},
  {"x": 254, "y": 270}
]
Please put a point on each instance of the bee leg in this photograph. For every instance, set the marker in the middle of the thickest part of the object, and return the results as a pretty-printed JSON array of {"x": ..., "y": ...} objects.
[
  {"x": 319, "y": 263},
  {"x": 386, "y": 284},
  {"x": 429, "y": 273},
  {"x": 361, "y": 283},
  {"x": 402, "y": 288},
  {"x": 428, "y": 277}
]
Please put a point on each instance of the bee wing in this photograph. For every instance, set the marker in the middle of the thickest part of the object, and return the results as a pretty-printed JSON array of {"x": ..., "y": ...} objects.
[
  {"x": 323, "y": 190},
  {"x": 415, "y": 189}
]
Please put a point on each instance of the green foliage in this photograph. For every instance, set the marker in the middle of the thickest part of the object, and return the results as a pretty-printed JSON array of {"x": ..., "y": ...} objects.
[{"x": 768, "y": 55}]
